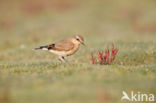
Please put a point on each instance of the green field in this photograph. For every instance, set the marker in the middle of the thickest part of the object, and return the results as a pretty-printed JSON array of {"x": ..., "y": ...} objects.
[{"x": 29, "y": 76}]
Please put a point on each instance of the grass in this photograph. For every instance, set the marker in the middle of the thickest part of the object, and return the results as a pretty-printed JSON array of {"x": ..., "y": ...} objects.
[{"x": 28, "y": 76}]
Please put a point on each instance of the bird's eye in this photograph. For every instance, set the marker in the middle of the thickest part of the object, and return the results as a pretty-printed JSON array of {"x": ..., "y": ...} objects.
[{"x": 77, "y": 39}]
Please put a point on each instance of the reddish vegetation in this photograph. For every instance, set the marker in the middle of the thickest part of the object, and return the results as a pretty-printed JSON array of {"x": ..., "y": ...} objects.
[
  {"x": 105, "y": 58},
  {"x": 7, "y": 23},
  {"x": 134, "y": 18},
  {"x": 36, "y": 6},
  {"x": 103, "y": 96},
  {"x": 5, "y": 97}
]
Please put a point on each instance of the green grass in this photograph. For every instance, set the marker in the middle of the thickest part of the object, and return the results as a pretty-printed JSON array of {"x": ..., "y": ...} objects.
[{"x": 28, "y": 76}]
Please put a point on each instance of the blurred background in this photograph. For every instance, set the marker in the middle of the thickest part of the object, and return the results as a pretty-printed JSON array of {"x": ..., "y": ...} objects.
[
  {"x": 26, "y": 24},
  {"x": 39, "y": 20}
]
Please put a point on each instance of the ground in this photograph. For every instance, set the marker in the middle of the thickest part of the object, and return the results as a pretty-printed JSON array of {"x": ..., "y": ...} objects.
[{"x": 29, "y": 76}]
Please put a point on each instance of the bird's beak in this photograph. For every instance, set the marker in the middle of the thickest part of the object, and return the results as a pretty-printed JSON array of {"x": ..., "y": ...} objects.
[{"x": 83, "y": 44}]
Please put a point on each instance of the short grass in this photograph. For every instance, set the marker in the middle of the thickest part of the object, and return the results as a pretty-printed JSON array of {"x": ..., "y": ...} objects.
[{"x": 28, "y": 76}]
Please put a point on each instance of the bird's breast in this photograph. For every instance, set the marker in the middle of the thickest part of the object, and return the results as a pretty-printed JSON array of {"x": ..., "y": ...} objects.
[{"x": 73, "y": 50}]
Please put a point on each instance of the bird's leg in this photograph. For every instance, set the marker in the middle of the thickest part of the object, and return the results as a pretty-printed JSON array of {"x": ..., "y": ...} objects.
[
  {"x": 64, "y": 57},
  {"x": 61, "y": 58}
]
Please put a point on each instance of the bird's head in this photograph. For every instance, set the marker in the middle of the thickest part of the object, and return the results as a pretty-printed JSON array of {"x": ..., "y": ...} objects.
[{"x": 78, "y": 39}]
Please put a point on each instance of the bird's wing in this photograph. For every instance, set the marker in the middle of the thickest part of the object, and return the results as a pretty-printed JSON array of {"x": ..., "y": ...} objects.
[{"x": 63, "y": 45}]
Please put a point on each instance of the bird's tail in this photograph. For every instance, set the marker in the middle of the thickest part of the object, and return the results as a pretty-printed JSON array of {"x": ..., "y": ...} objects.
[{"x": 42, "y": 48}]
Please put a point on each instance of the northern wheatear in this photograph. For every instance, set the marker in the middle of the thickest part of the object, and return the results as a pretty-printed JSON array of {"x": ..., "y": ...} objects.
[{"x": 65, "y": 47}]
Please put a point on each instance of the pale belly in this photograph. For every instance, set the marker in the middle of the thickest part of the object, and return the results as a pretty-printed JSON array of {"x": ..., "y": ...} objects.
[
  {"x": 65, "y": 53},
  {"x": 59, "y": 53}
]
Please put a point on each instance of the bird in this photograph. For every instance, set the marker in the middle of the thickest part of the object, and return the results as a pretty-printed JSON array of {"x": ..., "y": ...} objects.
[{"x": 64, "y": 47}]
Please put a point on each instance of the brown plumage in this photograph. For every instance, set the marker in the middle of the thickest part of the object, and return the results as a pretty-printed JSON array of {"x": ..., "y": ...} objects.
[{"x": 64, "y": 47}]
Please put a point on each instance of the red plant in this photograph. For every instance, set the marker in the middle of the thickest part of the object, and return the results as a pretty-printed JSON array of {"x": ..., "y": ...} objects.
[
  {"x": 93, "y": 59},
  {"x": 105, "y": 58}
]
